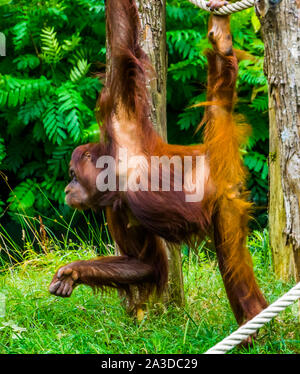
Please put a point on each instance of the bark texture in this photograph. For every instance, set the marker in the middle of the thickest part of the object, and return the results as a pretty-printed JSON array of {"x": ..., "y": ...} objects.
[
  {"x": 153, "y": 41},
  {"x": 281, "y": 31}
]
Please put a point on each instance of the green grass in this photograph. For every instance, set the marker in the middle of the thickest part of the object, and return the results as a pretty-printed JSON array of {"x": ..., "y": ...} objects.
[{"x": 36, "y": 322}]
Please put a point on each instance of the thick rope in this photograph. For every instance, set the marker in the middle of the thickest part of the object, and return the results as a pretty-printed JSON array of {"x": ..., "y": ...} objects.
[
  {"x": 257, "y": 322},
  {"x": 226, "y": 9}
]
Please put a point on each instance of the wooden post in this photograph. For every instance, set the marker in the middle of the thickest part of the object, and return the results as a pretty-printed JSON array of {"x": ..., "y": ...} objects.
[{"x": 281, "y": 32}]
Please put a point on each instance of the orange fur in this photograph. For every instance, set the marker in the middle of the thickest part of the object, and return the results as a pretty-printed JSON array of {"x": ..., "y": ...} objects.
[{"x": 137, "y": 219}]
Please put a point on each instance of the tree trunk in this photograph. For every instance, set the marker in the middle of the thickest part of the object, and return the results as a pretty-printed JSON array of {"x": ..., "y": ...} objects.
[
  {"x": 281, "y": 30},
  {"x": 153, "y": 41}
]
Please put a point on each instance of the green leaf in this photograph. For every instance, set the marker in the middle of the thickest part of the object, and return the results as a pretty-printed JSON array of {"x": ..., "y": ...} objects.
[
  {"x": 51, "y": 50},
  {"x": 2, "y": 150},
  {"x": 79, "y": 71},
  {"x": 27, "y": 61},
  {"x": 4, "y": 2},
  {"x": 255, "y": 22},
  {"x": 15, "y": 91},
  {"x": 21, "y": 34},
  {"x": 54, "y": 122},
  {"x": 23, "y": 196}
]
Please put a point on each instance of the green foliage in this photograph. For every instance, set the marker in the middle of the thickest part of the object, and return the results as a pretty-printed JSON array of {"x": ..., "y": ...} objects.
[
  {"x": 48, "y": 91},
  {"x": 16, "y": 91},
  {"x": 23, "y": 196},
  {"x": 79, "y": 71},
  {"x": 51, "y": 50},
  {"x": 2, "y": 149},
  {"x": 47, "y": 96},
  {"x": 25, "y": 62}
]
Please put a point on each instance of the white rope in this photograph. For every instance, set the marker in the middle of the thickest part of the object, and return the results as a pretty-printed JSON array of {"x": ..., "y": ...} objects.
[
  {"x": 257, "y": 322},
  {"x": 226, "y": 9}
]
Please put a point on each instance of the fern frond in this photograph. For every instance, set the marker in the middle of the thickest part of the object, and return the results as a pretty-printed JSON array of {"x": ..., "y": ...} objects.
[
  {"x": 186, "y": 70},
  {"x": 15, "y": 91},
  {"x": 54, "y": 122},
  {"x": 59, "y": 161},
  {"x": 72, "y": 106},
  {"x": 79, "y": 71},
  {"x": 51, "y": 50},
  {"x": 184, "y": 42},
  {"x": 21, "y": 34},
  {"x": 23, "y": 196},
  {"x": 260, "y": 103},
  {"x": 72, "y": 44},
  {"x": 257, "y": 162},
  {"x": 189, "y": 118},
  {"x": 27, "y": 61},
  {"x": 32, "y": 110}
]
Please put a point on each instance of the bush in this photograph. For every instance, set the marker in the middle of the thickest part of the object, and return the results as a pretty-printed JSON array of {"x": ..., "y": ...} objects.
[{"x": 48, "y": 93}]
